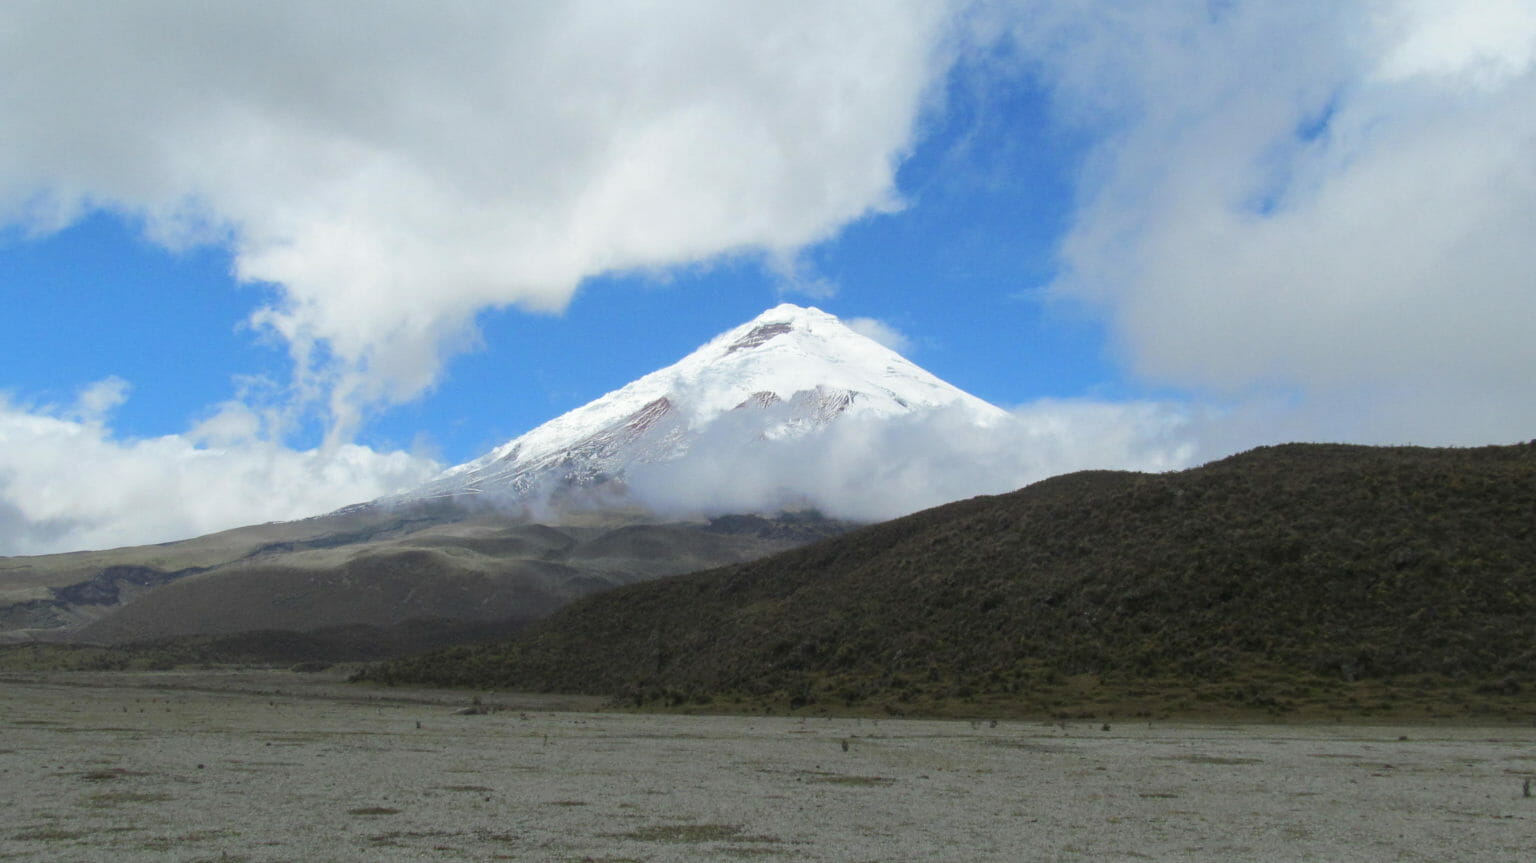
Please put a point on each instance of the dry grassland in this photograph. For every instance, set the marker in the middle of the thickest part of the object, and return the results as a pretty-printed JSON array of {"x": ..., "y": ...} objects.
[{"x": 267, "y": 766}]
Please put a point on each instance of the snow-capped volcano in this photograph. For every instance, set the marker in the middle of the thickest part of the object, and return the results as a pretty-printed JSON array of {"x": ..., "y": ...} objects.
[{"x": 788, "y": 373}]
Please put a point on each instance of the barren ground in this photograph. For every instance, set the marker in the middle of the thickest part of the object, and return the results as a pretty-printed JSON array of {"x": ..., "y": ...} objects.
[{"x": 265, "y": 766}]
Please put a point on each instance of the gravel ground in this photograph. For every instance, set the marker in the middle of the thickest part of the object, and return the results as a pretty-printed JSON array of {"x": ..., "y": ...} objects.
[{"x": 273, "y": 766}]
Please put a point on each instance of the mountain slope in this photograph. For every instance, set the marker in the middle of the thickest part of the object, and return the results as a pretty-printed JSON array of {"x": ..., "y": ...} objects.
[
  {"x": 60, "y": 591},
  {"x": 450, "y": 549},
  {"x": 784, "y": 374},
  {"x": 426, "y": 564},
  {"x": 1298, "y": 578}
]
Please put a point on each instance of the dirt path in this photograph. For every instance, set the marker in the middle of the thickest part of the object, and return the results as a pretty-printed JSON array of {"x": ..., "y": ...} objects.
[{"x": 299, "y": 767}]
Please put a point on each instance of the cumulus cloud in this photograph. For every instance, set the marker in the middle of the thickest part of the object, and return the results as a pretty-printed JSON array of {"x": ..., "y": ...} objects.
[
  {"x": 868, "y": 469},
  {"x": 1485, "y": 43},
  {"x": 396, "y": 168},
  {"x": 1330, "y": 200},
  {"x": 97, "y": 400},
  {"x": 881, "y": 333},
  {"x": 67, "y": 483}
]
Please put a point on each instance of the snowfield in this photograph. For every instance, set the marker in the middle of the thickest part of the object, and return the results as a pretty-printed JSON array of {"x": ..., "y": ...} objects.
[{"x": 787, "y": 373}]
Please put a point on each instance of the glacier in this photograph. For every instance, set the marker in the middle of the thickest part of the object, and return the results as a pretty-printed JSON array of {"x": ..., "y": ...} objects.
[{"x": 788, "y": 374}]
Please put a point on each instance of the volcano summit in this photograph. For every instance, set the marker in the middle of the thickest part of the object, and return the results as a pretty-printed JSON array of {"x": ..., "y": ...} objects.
[{"x": 711, "y": 422}]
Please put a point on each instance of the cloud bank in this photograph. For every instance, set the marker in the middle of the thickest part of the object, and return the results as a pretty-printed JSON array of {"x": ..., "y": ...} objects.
[
  {"x": 67, "y": 483},
  {"x": 1329, "y": 200},
  {"x": 393, "y": 169},
  {"x": 867, "y": 469},
  {"x": 881, "y": 333}
]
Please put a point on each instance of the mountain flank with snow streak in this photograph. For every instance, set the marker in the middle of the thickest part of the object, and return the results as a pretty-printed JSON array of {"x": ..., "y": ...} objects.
[{"x": 789, "y": 373}]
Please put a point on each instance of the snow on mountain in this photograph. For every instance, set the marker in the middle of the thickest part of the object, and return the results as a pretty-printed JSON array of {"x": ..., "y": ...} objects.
[{"x": 787, "y": 373}]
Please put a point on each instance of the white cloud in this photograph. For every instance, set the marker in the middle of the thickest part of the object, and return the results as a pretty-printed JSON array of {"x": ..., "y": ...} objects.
[
  {"x": 1333, "y": 201},
  {"x": 66, "y": 483},
  {"x": 97, "y": 400},
  {"x": 396, "y": 168},
  {"x": 1484, "y": 42},
  {"x": 870, "y": 469},
  {"x": 881, "y": 332}
]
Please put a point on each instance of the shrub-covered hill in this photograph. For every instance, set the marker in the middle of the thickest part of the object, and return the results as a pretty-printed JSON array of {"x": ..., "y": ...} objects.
[{"x": 1313, "y": 578}]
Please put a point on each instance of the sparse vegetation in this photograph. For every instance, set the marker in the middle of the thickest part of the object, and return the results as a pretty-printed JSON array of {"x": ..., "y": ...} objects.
[
  {"x": 300, "y": 651},
  {"x": 853, "y": 781},
  {"x": 111, "y": 799},
  {"x": 109, "y": 774},
  {"x": 50, "y": 834},
  {"x": 1300, "y": 580},
  {"x": 693, "y": 833},
  {"x": 665, "y": 787}
]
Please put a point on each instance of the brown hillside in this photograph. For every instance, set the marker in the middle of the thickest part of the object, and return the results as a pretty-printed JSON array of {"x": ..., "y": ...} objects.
[
  {"x": 372, "y": 568},
  {"x": 1298, "y": 577}
]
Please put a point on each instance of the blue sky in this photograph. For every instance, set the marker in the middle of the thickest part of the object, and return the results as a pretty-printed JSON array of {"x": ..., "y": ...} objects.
[
  {"x": 960, "y": 269},
  {"x": 329, "y": 249}
]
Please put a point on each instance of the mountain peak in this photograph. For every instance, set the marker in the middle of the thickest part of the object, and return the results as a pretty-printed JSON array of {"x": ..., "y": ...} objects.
[
  {"x": 790, "y": 313},
  {"x": 794, "y": 370},
  {"x": 783, "y": 319}
]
